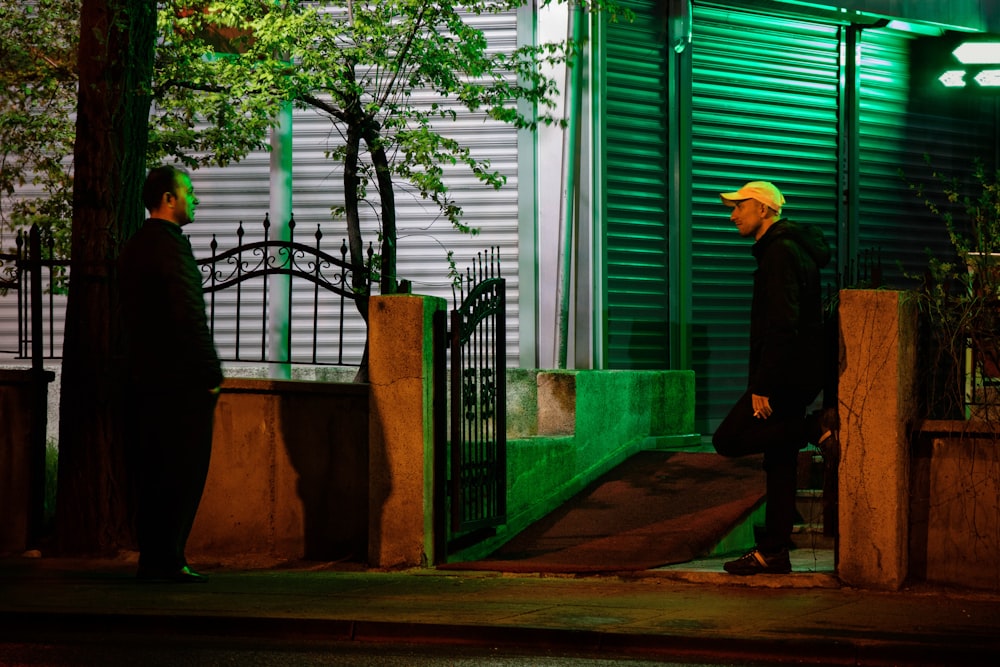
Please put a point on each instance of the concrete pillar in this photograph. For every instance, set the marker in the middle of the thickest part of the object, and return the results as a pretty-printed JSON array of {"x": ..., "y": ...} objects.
[
  {"x": 557, "y": 403},
  {"x": 23, "y": 403},
  {"x": 877, "y": 400},
  {"x": 401, "y": 430},
  {"x": 15, "y": 460}
]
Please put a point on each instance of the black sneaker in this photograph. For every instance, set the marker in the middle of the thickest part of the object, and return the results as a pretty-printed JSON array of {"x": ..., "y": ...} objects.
[{"x": 757, "y": 562}]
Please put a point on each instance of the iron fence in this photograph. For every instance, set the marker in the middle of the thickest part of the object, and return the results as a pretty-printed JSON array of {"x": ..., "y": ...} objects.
[
  {"x": 317, "y": 288},
  {"x": 266, "y": 318},
  {"x": 31, "y": 277},
  {"x": 478, "y": 457}
]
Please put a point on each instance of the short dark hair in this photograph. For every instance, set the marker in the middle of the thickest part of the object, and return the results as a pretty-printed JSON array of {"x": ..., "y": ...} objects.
[{"x": 160, "y": 179}]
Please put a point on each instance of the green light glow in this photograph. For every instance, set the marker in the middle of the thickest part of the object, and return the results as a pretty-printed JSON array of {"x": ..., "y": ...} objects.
[
  {"x": 953, "y": 78},
  {"x": 916, "y": 28},
  {"x": 978, "y": 53},
  {"x": 989, "y": 78}
]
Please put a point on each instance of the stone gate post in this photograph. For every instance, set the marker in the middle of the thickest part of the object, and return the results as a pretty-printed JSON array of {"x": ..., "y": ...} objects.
[
  {"x": 878, "y": 331},
  {"x": 401, "y": 430}
]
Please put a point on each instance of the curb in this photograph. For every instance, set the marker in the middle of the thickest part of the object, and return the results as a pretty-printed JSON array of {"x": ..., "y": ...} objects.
[{"x": 869, "y": 650}]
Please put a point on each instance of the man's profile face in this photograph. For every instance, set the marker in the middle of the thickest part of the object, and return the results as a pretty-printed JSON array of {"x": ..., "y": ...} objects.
[
  {"x": 748, "y": 216},
  {"x": 185, "y": 201}
]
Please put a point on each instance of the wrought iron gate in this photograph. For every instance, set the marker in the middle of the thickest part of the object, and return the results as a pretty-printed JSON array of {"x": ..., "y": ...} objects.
[{"x": 477, "y": 336}]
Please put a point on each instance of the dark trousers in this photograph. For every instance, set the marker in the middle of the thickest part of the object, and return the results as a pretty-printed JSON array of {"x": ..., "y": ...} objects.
[
  {"x": 779, "y": 438},
  {"x": 172, "y": 435}
]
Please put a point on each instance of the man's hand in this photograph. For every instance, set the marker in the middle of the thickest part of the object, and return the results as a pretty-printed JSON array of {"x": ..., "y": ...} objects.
[{"x": 761, "y": 406}]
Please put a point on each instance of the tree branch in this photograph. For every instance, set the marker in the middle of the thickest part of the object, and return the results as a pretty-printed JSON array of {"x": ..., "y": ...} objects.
[
  {"x": 322, "y": 105},
  {"x": 401, "y": 57}
]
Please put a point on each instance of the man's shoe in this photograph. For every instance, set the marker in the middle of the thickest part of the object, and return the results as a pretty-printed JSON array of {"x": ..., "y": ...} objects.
[
  {"x": 757, "y": 562},
  {"x": 823, "y": 425},
  {"x": 184, "y": 575}
]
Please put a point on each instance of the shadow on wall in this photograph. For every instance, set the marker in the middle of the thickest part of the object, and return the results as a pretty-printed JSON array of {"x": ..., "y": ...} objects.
[
  {"x": 327, "y": 445},
  {"x": 289, "y": 473}
]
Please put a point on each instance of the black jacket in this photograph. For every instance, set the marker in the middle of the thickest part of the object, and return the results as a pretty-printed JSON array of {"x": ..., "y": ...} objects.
[
  {"x": 167, "y": 340},
  {"x": 786, "y": 316}
]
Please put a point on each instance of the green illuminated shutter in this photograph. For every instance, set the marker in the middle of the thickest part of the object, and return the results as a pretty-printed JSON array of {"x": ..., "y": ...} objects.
[
  {"x": 635, "y": 163},
  {"x": 898, "y": 129},
  {"x": 882, "y": 140},
  {"x": 764, "y": 107}
]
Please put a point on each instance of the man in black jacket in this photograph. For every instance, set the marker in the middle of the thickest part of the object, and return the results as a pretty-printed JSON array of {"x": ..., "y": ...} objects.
[
  {"x": 173, "y": 375},
  {"x": 786, "y": 362}
]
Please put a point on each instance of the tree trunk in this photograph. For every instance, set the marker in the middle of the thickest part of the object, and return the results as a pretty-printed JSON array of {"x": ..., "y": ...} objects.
[
  {"x": 355, "y": 241},
  {"x": 354, "y": 238},
  {"x": 383, "y": 173},
  {"x": 117, "y": 39}
]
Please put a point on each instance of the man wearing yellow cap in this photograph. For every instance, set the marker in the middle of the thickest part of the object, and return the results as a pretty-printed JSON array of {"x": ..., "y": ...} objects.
[{"x": 785, "y": 365}]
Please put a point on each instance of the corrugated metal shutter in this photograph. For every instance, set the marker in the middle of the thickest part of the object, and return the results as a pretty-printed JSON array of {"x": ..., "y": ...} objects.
[
  {"x": 765, "y": 106},
  {"x": 635, "y": 159},
  {"x": 896, "y": 133},
  {"x": 240, "y": 193}
]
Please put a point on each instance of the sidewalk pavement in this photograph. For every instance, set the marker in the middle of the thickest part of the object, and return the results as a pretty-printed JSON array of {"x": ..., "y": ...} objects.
[{"x": 691, "y": 612}]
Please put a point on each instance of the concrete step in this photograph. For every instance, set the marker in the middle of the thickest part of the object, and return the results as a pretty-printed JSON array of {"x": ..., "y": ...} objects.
[
  {"x": 809, "y": 530},
  {"x": 809, "y": 505}
]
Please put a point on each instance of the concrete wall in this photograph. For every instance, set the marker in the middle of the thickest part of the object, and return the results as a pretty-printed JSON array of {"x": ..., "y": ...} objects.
[
  {"x": 23, "y": 396},
  {"x": 919, "y": 500},
  {"x": 955, "y": 537},
  {"x": 289, "y": 473},
  {"x": 15, "y": 461}
]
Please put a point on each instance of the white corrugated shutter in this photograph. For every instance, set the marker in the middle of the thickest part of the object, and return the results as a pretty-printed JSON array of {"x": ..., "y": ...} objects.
[{"x": 241, "y": 193}]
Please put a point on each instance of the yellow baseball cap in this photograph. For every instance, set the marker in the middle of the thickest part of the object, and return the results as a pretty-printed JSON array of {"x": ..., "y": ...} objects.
[{"x": 762, "y": 191}]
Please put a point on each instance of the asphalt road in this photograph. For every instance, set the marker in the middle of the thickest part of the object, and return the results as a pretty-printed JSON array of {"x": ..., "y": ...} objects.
[{"x": 100, "y": 650}]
